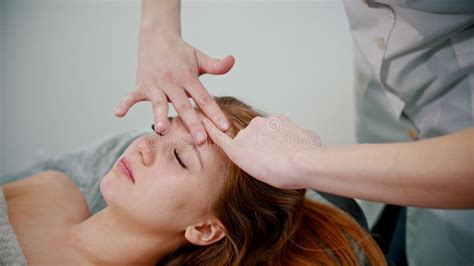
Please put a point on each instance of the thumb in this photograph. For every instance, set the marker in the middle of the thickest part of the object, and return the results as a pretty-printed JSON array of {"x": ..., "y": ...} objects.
[
  {"x": 214, "y": 66},
  {"x": 218, "y": 137}
]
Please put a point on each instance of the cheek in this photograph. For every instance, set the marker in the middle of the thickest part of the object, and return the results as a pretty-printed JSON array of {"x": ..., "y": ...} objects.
[
  {"x": 161, "y": 200},
  {"x": 181, "y": 200},
  {"x": 107, "y": 188},
  {"x": 166, "y": 191}
]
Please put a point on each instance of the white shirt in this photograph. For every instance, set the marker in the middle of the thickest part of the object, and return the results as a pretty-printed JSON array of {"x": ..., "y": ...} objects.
[{"x": 414, "y": 80}]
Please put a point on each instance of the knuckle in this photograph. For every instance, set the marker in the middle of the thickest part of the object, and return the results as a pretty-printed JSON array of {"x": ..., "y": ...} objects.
[
  {"x": 128, "y": 99},
  {"x": 158, "y": 115},
  {"x": 185, "y": 107},
  {"x": 189, "y": 80},
  {"x": 205, "y": 99},
  {"x": 158, "y": 102},
  {"x": 159, "y": 110},
  {"x": 195, "y": 126},
  {"x": 187, "y": 72},
  {"x": 167, "y": 76}
]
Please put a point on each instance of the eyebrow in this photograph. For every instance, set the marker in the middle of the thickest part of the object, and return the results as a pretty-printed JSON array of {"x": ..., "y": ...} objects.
[{"x": 196, "y": 150}]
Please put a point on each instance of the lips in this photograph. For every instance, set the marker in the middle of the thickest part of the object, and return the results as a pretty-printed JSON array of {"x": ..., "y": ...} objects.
[{"x": 126, "y": 168}]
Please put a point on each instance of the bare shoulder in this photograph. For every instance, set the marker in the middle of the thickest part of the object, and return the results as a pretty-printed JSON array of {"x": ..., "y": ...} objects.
[
  {"x": 50, "y": 188},
  {"x": 47, "y": 179}
]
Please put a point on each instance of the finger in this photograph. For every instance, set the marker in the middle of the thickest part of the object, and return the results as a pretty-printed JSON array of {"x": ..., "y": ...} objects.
[
  {"x": 218, "y": 137},
  {"x": 214, "y": 66},
  {"x": 128, "y": 101},
  {"x": 159, "y": 105},
  {"x": 186, "y": 111},
  {"x": 206, "y": 102}
]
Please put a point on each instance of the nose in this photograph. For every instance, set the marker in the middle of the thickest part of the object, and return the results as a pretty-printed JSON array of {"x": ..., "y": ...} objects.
[{"x": 147, "y": 148}]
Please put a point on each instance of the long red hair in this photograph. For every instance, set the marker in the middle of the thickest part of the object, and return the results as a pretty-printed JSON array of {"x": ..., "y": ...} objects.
[{"x": 265, "y": 225}]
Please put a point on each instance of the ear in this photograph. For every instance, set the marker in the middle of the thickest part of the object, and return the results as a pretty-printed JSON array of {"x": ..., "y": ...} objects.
[{"x": 206, "y": 233}]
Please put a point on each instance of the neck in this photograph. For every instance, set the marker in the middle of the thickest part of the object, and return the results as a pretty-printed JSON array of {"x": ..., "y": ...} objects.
[{"x": 106, "y": 238}]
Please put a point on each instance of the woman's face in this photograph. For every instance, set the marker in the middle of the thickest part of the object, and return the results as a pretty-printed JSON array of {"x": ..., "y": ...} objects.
[{"x": 175, "y": 180}]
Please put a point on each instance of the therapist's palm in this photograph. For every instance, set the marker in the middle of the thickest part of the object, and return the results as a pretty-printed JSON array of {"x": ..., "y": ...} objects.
[
  {"x": 265, "y": 147},
  {"x": 169, "y": 70}
]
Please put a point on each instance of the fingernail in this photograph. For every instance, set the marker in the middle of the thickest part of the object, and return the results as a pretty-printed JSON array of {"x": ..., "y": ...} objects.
[
  {"x": 160, "y": 126},
  {"x": 118, "y": 110},
  {"x": 200, "y": 137},
  {"x": 224, "y": 125}
]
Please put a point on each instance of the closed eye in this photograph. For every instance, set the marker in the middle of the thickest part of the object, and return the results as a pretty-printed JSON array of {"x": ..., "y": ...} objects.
[{"x": 176, "y": 155}]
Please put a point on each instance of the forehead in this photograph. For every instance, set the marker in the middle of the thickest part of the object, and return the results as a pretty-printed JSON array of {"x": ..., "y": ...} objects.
[{"x": 212, "y": 156}]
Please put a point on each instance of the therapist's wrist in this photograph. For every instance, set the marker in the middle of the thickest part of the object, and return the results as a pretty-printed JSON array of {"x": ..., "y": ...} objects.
[
  {"x": 160, "y": 16},
  {"x": 306, "y": 165}
]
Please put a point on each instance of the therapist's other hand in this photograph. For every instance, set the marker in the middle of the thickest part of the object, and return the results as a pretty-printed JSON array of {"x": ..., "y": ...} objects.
[
  {"x": 265, "y": 149},
  {"x": 168, "y": 71}
]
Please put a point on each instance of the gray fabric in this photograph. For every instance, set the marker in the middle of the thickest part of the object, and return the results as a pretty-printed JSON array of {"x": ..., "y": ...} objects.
[
  {"x": 10, "y": 251},
  {"x": 85, "y": 166}
]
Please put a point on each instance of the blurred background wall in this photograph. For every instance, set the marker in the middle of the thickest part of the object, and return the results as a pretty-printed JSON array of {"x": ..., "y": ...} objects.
[{"x": 66, "y": 64}]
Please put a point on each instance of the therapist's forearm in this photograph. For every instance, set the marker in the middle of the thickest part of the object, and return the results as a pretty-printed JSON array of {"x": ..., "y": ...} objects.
[
  {"x": 161, "y": 15},
  {"x": 434, "y": 173}
]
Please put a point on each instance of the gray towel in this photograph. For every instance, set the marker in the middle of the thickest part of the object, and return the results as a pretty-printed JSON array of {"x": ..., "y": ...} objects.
[
  {"x": 86, "y": 165},
  {"x": 10, "y": 251}
]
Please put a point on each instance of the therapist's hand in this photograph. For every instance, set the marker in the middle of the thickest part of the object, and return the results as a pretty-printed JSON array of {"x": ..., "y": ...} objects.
[
  {"x": 265, "y": 148},
  {"x": 168, "y": 71}
]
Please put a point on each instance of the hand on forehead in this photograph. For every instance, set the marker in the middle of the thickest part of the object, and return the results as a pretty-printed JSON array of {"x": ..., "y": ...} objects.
[
  {"x": 208, "y": 150},
  {"x": 202, "y": 118}
]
